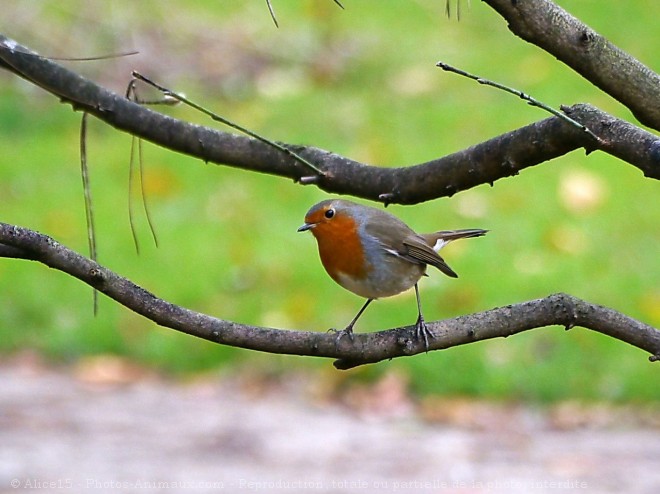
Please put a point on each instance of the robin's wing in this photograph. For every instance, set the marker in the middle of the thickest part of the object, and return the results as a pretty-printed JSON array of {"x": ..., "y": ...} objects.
[
  {"x": 416, "y": 248},
  {"x": 399, "y": 239}
]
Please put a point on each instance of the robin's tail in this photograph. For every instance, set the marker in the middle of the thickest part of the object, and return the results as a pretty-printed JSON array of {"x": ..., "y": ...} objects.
[{"x": 439, "y": 239}]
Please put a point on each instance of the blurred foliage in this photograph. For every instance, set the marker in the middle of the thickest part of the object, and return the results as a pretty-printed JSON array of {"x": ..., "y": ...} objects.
[{"x": 360, "y": 82}]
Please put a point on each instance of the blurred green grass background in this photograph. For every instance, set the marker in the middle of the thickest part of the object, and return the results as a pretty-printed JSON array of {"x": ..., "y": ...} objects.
[{"x": 361, "y": 82}]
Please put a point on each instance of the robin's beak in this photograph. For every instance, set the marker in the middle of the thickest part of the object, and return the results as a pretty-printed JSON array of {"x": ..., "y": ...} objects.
[{"x": 306, "y": 226}]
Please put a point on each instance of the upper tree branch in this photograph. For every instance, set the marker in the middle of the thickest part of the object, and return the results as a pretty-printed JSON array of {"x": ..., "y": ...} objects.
[
  {"x": 487, "y": 162},
  {"x": 559, "y": 309},
  {"x": 620, "y": 75}
]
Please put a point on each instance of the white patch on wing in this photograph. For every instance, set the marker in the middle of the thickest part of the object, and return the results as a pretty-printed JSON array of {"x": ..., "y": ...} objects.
[
  {"x": 392, "y": 251},
  {"x": 439, "y": 244}
]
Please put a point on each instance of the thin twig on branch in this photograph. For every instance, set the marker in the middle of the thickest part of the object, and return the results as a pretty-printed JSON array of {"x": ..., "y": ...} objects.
[
  {"x": 559, "y": 309},
  {"x": 619, "y": 74},
  {"x": 530, "y": 100},
  {"x": 487, "y": 162},
  {"x": 182, "y": 99}
]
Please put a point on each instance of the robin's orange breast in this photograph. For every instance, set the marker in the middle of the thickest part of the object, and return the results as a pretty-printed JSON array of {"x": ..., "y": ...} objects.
[{"x": 341, "y": 250}]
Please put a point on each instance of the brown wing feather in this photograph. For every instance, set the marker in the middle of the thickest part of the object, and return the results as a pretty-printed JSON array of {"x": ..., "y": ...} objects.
[
  {"x": 414, "y": 247},
  {"x": 417, "y": 249}
]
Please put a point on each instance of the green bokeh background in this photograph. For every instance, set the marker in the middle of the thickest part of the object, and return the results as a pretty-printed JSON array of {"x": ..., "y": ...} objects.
[{"x": 361, "y": 82}]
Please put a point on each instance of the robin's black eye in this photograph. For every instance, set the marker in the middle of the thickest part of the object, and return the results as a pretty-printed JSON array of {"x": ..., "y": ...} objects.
[{"x": 329, "y": 213}]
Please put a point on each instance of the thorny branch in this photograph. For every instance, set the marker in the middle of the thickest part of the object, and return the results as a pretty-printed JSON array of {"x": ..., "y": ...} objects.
[{"x": 559, "y": 309}]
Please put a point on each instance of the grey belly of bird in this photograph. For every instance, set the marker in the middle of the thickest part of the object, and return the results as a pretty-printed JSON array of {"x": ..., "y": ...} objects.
[{"x": 391, "y": 276}]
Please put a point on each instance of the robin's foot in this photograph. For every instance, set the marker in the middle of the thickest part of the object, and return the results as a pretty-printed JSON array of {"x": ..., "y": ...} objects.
[
  {"x": 422, "y": 331},
  {"x": 347, "y": 331}
]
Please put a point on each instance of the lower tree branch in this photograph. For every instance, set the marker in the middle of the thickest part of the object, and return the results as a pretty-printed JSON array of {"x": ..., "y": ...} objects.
[{"x": 559, "y": 309}]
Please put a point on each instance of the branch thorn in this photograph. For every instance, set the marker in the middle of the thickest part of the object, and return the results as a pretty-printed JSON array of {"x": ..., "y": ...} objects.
[
  {"x": 309, "y": 179},
  {"x": 387, "y": 198}
]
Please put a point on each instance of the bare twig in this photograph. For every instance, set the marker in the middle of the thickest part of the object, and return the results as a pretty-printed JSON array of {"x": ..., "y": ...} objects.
[
  {"x": 87, "y": 190},
  {"x": 136, "y": 147},
  {"x": 559, "y": 309},
  {"x": 530, "y": 100},
  {"x": 272, "y": 13},
  {"x": 271, "y": 10},
  {"x": 458, "y": 8},
  {"x": 554, "y": 30},
  {"x": 131, "y": 187},
  {"x": 229, "y": 123},
  {"x": 92, "y": 58}
]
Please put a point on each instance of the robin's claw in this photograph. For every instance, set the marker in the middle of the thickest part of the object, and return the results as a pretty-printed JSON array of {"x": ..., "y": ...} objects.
[
  {"x": 348, "y": 331},
  {"x": 422, "y": 331}
]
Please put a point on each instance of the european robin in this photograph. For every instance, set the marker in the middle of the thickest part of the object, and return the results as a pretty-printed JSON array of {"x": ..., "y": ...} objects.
[{"x": 374, "y": 254}]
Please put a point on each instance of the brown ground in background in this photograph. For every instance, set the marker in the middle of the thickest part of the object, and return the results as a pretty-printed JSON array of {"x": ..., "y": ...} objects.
[{"x": 106, "y": 425}]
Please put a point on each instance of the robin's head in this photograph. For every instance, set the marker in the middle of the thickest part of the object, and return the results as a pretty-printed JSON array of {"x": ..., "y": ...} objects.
[{"x": 332, "y": 217}]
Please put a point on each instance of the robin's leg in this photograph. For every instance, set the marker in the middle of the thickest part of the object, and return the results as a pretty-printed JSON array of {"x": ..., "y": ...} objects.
[
  {"x": 348, "y": 330},
  {"x": 421, "y": 331}
]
